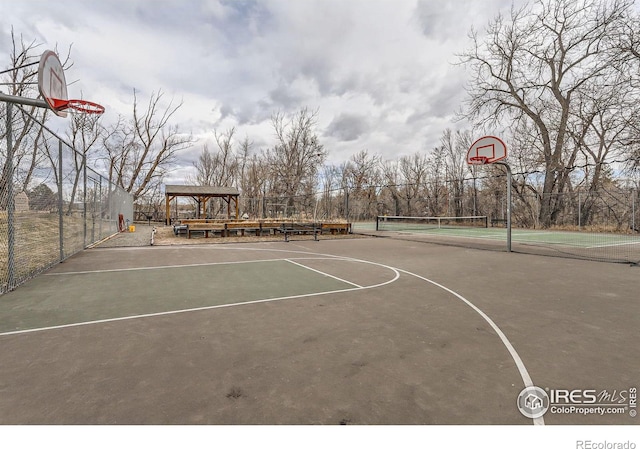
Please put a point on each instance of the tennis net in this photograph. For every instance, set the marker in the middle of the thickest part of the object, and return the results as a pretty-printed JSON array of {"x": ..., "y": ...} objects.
[{"x": 409, "y": 224}]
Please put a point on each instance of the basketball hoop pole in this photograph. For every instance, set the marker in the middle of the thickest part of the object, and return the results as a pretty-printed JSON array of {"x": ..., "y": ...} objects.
[
  {"x": 504, "y": 164},
  {"x": 23, "y": 100}
]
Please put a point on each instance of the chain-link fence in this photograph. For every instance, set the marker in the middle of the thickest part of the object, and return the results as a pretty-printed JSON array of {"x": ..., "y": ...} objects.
[
  {"x": 51, "y": 204},
  {"x": 602, "y": 224},
  {"x": 605, "y": 210},
  {"x": 607, "y": 218}
]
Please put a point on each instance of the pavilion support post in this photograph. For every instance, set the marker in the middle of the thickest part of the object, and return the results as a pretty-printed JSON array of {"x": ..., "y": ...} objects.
[
  {"x": 167, "y": 202},
  {"x": 204, "y": 206}
]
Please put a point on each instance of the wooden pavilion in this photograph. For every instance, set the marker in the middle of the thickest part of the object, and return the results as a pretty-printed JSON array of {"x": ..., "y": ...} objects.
[{"x": 201, "y": 195}]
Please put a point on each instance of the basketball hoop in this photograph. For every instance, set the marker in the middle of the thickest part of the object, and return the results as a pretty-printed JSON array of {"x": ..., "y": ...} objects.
[
  {"x": 478, "y": 160},
  {"x": 486, "y": 150},
  {"x": 84, "y": 106}
]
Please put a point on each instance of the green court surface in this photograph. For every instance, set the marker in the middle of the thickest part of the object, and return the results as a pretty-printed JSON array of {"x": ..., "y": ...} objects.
[
  {"x": 580, "y": 240},
  {"x": 577, "y": 239},
  {"x": 59, "y": 299}
]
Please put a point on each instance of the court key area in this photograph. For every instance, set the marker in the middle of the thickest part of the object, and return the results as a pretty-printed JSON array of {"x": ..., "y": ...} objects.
[{"x": 351, "y": 331}]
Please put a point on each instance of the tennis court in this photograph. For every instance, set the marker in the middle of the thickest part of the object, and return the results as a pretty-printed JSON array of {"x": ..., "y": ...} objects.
[
  {"x": 587, "y": 245},
  {"x": 351, "y": 331}
]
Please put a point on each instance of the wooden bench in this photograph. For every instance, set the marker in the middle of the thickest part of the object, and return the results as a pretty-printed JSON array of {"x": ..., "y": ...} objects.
[
  {"x": 300, "y": 229},
  {"x": 206, "y": 228},
  {"x": 187, "y": 221},
  {"x": 270, "y": 227},
  {"x": 336, "y": 228},
  {"x": 242, "y": 227}
]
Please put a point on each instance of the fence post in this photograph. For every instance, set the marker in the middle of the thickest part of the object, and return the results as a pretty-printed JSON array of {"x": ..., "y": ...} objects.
[
  {"x": 84, "y": 199},
  {"x": 633, "y": 210},
  {"x": 101, "y": 212},
  {"x": 579, "y": 211},
  {"x": 10, "y": 203},
  {"x": 346, "y": 204},
  {"x": 60, "y": 202}
]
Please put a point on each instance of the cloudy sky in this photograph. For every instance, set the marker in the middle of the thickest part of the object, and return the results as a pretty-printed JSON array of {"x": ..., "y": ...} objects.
[{"x": 380, "y": 73}]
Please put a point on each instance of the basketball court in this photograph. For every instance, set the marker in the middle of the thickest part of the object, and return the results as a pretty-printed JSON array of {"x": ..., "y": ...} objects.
[
  {"x": 362, "y": 331},
  {"x": 349, "y": 331}
]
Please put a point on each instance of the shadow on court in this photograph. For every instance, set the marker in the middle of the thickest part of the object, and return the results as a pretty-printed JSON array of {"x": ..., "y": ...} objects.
[{"x": 364, "y": 331}]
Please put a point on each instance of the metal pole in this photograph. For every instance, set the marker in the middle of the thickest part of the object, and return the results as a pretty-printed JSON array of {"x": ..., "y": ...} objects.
[
  {"x": 508, "y": 203},
  {"x": 633, "y": 210},
  {"x": 84, "y": 199},
  {"x": 346, "y": 204},
  {"x": 9, "y": 99},
  {"x": 579, "y": 210},
  {"x": 10, "y": 202},
  {"x": 60, "y": 202}
]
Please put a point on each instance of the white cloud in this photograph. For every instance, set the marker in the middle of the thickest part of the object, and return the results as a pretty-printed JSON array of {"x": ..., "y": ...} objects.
[{"x": 379, "y": 71}]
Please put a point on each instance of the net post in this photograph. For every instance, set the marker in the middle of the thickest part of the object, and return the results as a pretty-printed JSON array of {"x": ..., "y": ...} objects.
[
  {"x": 377, "y": 223},
  {"x": 486, "y": 221}
]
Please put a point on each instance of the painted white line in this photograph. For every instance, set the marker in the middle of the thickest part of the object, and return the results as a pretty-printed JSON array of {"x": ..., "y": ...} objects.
[
  {"x": 161, "y": 267},
  {"x": 323, "y": 273},
  {"x": 524, "y": 374},
  {"x": 613, "y": 244}
]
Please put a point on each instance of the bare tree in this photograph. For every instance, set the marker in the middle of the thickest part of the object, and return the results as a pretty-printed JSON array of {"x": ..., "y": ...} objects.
[
  {"x": 118, "y": 142},
  {"x": 83, "y": 135},
  {"x": 220, "y": 167},
  {"x": 225, "y": 160},
  {"x": 532, "y": 67},
  {"x": 296, "y": 158},
  {"x": 602, "y": 131},
  {"x": 254, "y": 185},
  {"x": 455, "y": 146},
  {"x": 205, "y": 169},
  {"x": 436, "y": 181},
  {"x": 390, "y": 173},
  {"x": 243, "y": 155},
  {"x": 413, "y": 171},
  {"x": 141, "y": 150},
  {"x": 330, "y": 185},
  {"x": 27, "y": 135},
  {"x": 361, "y": 178},
  {"x": 527, "y": 163},
  {"x": 628, "y": 65}
]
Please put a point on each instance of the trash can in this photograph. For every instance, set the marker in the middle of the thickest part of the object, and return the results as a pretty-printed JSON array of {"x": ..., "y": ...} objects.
[{"x": 132, "y": 228}]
